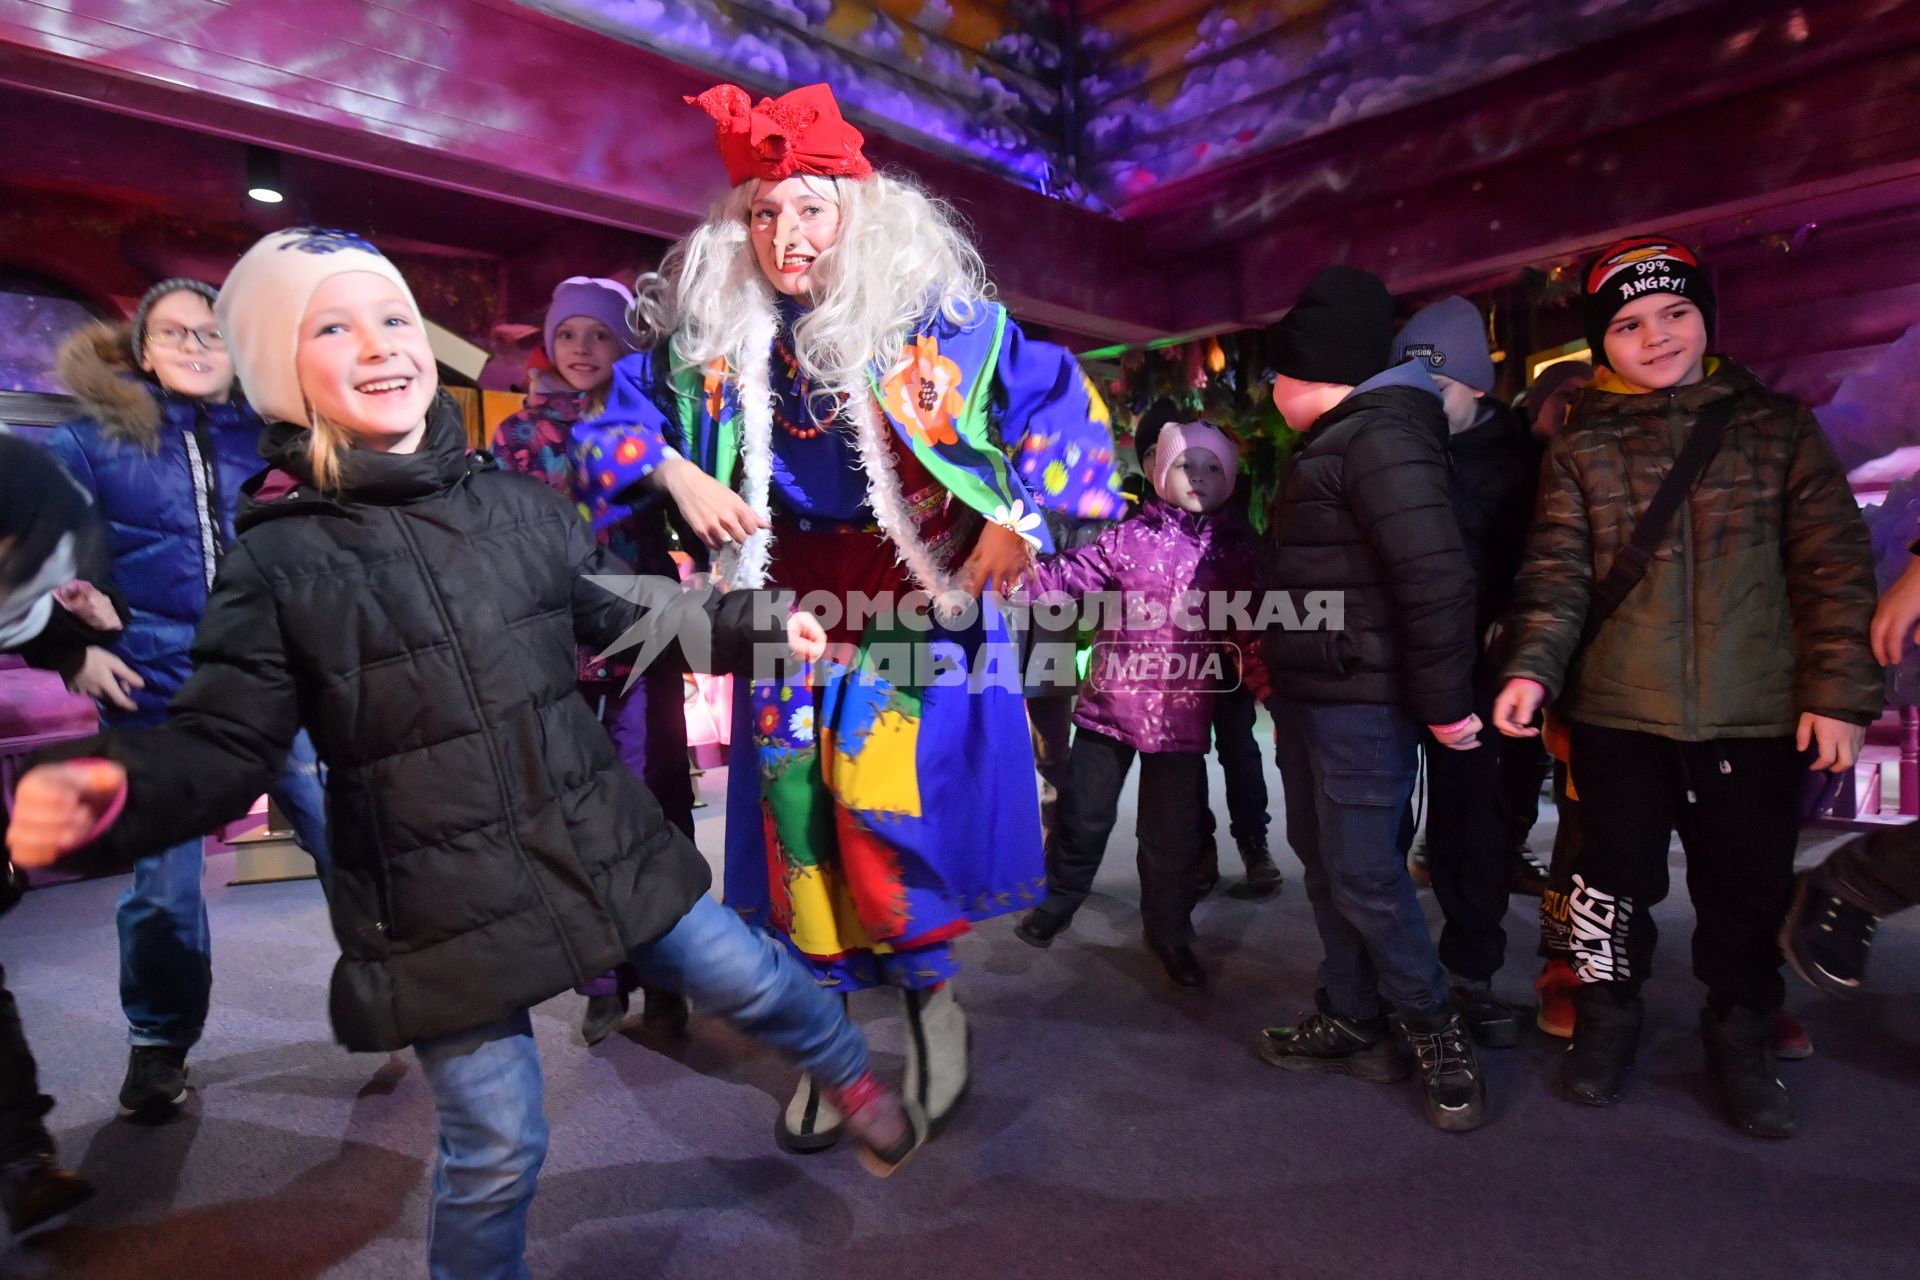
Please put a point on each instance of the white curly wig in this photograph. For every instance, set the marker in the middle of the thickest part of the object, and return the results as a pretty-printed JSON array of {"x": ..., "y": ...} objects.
[{"x": 901, "y": 255}]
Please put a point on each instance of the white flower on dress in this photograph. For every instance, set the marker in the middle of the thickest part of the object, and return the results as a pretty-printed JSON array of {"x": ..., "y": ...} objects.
[
  {"x": 1020, "y": 520},
  {"x": 800, "y": 725}
]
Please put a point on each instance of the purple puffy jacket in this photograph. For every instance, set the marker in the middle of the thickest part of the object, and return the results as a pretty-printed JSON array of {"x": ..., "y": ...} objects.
[{"x": 1153, "y": 687}]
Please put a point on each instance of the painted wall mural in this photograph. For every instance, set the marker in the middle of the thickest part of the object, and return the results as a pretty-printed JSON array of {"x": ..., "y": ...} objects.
[
  {"x": 1171, "y": 88},
  {"x": 981, "y": 80},
  {"x": 1138, "y": 93}
]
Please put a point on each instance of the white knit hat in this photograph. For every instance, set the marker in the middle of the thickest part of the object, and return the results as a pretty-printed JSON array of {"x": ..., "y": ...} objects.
[{"x": 265, "y": 297}]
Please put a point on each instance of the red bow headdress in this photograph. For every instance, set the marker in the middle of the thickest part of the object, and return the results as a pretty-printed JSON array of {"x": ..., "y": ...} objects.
[{"x": 799, "y": 132}]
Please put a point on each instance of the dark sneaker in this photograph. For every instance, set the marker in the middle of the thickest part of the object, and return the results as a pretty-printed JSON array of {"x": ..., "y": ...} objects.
[
  {"x": 1606, "y": 1035},
  {"x": 35, "y": 1190},
  {"x": 1741, "y": 1065},
  {"x": 156, "y": 1084},
  {"x": 1449, "y": 1072},
  {"x": 887, "y": 1127},
  {"x": 1490, "y": 1022},
  {"x": 603, "y": 1016},
  {"x": 1263, "y": 876},
  {"x": 1039, "y": 927},
  {"x": 1826, "y": 938},
  {"x": 1325, "y": 1041},
  {"x": 664, "y": 1016},
  {"x": 1526, "y": 875}
]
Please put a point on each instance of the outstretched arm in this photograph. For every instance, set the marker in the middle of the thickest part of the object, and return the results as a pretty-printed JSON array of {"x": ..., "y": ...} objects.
[
  {"x": 635, "y": 443},
  {"x": 227, "y": 731}
]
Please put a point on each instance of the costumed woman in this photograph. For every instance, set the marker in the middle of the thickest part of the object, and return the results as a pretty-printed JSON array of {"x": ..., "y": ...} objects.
[{"x": 841, "y": 409}]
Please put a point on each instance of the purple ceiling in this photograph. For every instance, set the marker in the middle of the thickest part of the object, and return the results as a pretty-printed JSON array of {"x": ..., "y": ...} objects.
[{"x": 1127, "y": 96}]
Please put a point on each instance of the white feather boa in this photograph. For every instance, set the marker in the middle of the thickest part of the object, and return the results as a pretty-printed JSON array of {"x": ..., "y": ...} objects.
[
  {"x": 746, "y": 566},
  {"x": 873, "y": 439}
]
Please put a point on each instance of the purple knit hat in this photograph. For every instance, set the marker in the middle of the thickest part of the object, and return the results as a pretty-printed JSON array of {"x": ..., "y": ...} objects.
[{"x": 597, "y": 298}]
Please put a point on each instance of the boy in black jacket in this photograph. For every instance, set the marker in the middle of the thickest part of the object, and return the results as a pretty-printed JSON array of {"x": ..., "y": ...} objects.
[
  {"x": 1363, "y": 529},
  {"x": 1479, "y": 810}
]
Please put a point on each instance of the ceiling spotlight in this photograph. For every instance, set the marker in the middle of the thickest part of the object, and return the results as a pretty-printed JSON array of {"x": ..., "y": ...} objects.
[{"x": 263, "y": 175}]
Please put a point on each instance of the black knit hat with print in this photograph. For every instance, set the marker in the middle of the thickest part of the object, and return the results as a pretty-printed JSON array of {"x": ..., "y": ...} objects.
[{"x": 1634, "y": 268}]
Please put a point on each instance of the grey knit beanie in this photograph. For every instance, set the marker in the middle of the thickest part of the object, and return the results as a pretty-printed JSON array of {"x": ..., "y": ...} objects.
[{"x": 178, "y": 284}]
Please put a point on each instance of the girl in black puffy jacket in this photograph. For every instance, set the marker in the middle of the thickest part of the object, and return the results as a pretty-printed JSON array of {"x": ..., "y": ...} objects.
[{"x": 418, "y": 609}]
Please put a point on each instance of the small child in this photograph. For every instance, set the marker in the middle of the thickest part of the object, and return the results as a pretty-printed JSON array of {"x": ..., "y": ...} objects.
[
  {"x": 586, "y": 332},
  {"x": 1183, "y": 542},
  {"x": 418, "y": 610}
]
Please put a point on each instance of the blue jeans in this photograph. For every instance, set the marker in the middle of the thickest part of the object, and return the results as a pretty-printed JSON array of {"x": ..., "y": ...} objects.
[
  {"x": 487, "y": 1091},
  {"x": 166, "y": 952},
  {"x": 1348, "y": 770}
]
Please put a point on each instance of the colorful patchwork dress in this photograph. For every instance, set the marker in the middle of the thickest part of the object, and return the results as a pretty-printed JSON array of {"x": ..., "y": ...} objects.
[{"x": 873, "y": 814}]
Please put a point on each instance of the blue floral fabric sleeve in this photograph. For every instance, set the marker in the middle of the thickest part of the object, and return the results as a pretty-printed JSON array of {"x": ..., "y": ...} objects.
[
  {"x": 613, "y": 452},
  {"x": 1056, "y": 428}
]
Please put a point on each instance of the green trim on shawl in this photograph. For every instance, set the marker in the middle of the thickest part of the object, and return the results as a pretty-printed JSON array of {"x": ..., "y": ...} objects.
[
  {"x": 715, "y": 451},
  {"x": 972, "y": 428}
]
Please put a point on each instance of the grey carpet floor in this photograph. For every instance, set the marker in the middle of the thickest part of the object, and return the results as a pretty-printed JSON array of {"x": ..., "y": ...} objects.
[{"x": 1115, "y": 1128}]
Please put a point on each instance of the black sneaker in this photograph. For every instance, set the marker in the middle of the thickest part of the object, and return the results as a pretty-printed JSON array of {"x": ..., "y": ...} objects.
[
  {"x": 1449, "y": 1071},
  {"x": 156, "y": 1084},
  {"x": 1039, "y": 927},
  {"x": 1741, "y": 1065},
  {"x": 1492, "y": 1023},
  {"x": 35, "y": 1190},
  {"x": 1826, "y": 938},
  {"x": 1606, "y": 1035},
  {"x": 1526, "y": 874},
  {"x": 1325, "y": 1041}
]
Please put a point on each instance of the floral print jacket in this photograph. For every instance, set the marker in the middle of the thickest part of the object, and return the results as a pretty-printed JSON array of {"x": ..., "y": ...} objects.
[{"x": 535, "y": 442}]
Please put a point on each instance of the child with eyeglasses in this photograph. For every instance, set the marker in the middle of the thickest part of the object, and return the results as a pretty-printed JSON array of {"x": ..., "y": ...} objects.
[{"x": 163, "y": 446}]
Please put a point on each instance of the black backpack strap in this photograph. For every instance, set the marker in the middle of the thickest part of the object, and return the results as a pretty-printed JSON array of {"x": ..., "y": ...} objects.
[{"x": 1636, "y": 557}]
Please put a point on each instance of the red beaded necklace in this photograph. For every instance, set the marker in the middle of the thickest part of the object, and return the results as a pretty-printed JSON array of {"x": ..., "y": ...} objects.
[{"x": 800, "y": 389}]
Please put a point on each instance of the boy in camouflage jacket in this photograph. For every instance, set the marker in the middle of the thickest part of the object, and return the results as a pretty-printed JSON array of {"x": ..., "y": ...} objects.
[{"x": 1745, "y": 646}]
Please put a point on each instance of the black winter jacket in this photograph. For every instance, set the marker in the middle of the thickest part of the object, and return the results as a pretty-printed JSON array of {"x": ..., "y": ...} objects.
[
  {"x": 1496, "y": 472},
  {"x": 489, "y": 849},
  {"x": 1364, "y": 511}
]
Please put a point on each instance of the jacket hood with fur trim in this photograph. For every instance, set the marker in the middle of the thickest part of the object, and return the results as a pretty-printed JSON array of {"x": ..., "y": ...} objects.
[{"x": 96, "y": 365}]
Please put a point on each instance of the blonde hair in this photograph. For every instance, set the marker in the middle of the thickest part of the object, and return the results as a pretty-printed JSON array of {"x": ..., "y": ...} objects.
[
  {"x": 326, "y": 441},
  {"x": 901, "y": 256}
]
